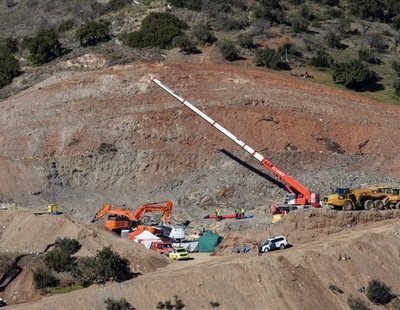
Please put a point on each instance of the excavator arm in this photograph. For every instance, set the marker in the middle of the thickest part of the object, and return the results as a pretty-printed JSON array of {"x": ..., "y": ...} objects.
[
  {"x": 111, "y": 210},
  {"x": 164, "y": 207},
  {"x": 302, "y": 195}
]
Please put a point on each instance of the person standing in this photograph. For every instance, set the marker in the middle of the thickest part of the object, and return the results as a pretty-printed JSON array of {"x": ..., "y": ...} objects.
[{"x": 242, "y": 212}]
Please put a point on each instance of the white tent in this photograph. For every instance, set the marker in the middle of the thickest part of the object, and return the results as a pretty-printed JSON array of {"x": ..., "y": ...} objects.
[{"x": 146, "y": 238}]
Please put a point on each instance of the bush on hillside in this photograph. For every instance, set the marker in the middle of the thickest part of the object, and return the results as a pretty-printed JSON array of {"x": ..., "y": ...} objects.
[
  {"x": 203, "y": 33},
  {"x": 177, "y": 304},
  {"x": 269, "y": 58},
  {"x": 59, "y": 260},
  {"x": 69, "y": 245},
  {"x": 246, "y": 41},
  {"x": 351, "y": 73},
  {"x": 9, "y": 68},
  {"x": 194, "y": 5},
  {"x": 105, "y": 266},
  {"x": 228, "y": 50},
  {"x": 321, "y": 60},
  {"x": 43, "y": 278},
  {"x": 378, "y": 292},
  {"x": 44, "y": 46},
  {"x": 157, "y": 30},
  {"x": 367, "y": 56},
  {"x": 299, "y": 24},
  {"x": 66, "y": 25},
  {"x": 115, "y": 5},
  {"x": 118, "y": 304},
  {"x": 368, "y": 9},
  {"x": 396, "y": 86},
  {"x": 8, "y": 45},
  {"x": 184, "y": 44},
  {"x": 92, "y": 33},
  {"x": 356, "y": 303},
  {"x": 332, "y": 40}
]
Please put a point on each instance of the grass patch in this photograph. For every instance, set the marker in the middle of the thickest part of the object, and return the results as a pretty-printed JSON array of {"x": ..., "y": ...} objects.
[{"x": 63, "y": 290}]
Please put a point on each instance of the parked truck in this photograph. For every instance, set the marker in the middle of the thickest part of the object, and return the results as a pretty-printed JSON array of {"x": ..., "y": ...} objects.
[{"x": 347, "y": 199}]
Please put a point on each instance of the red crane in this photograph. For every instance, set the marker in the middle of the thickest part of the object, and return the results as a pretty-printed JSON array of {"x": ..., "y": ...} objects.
[{"x": 299, "y": 195}]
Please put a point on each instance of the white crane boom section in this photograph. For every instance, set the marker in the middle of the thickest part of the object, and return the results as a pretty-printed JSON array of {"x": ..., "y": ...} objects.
[{"x": 208, "y": 119}]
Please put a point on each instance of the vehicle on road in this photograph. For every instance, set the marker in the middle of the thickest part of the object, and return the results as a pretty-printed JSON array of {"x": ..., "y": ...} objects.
[
  {"x": 273, "y": 243},
  {"x": 179, "y": 254}
]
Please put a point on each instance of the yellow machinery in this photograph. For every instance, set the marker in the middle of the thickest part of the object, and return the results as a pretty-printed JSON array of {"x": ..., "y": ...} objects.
[{"x": 347, "y": 199}]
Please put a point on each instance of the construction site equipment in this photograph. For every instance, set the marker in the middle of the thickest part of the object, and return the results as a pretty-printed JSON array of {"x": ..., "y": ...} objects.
[
  {"x": 347, "y": 199},
  {"x": 173, "y": 232},
  {"x": 120, "y": 218},
  {"x": 298, "y": 195},
  {"x": 162, "y": 247},
  {"x": 392, "y": 199}
]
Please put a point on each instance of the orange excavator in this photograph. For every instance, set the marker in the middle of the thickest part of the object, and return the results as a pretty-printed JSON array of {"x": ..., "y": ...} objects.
[{"x": 120, "y": 218}]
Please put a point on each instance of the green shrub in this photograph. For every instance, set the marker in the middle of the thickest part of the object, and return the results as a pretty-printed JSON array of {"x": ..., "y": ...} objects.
[
  {"x": 118, "y": 304},
  {"x": 376, "y": 41},
  {"x": 69, "y": 245},
  {"x": 321, "y": 60},
  {"x": 66, "y": 25},
  {"x": 59, "y": 260},
  {"x": 215, "y": 304},
  {"x": 396, "y": 67},
  {"x": 107, "y": 265},
  {"x": 297, "y": 2},
  {"x": 269, "y": 58},
  {"x": 356, "y": 303},
  {"x": 115, "y": 5},
  {"x": 396, "y": 86},
  {"x": 332, "y": 40},
  {"x": 230, "y": 24},
  {"x": 379, "y": 292},
  {"x": 203, "y": 33},
  {"x": 228, "y": 50},
  {"x": 92, "y": 33},
  {"x": 246, "y": 41},
  {"x": 351, "y": 73},
  {"x": 9, "y": 68},
  {"x": 396, "y": 22},
  {"x": 43, "y": 278},
  {"x": 170, "y": 305},
  {"x": 194, "y": 5},
  {"x": 184, "y": 44},
  {"x": 367, "y": 55},
  {"x": 367, "y": 9},
  {"x": 299, "y": 24},
  {"x": 157, "y": 29},
  {"x": 86, "y": 271},
  {"x": 44, "y": 46},
  {"x": 334, "y": 13},
  {"x": 8, "y": 45}
]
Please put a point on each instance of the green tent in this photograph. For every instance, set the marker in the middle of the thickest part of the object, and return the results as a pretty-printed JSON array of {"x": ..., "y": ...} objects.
[{"x": 209, "y": 241}]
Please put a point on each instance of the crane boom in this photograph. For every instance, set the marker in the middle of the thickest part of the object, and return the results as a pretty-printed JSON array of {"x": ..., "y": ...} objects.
[{"x": 303, "y": 195}]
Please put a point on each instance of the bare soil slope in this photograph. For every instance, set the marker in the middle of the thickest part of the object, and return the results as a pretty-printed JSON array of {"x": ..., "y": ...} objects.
[
  {"x": 295, "y": 278},
  {"x": 117, "y": 139}
]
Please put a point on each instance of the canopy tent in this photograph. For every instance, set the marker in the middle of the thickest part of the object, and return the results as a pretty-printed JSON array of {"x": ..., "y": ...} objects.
[
  {"x": 209, "y": 241},
  {"x": 146, "y": 238}
]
